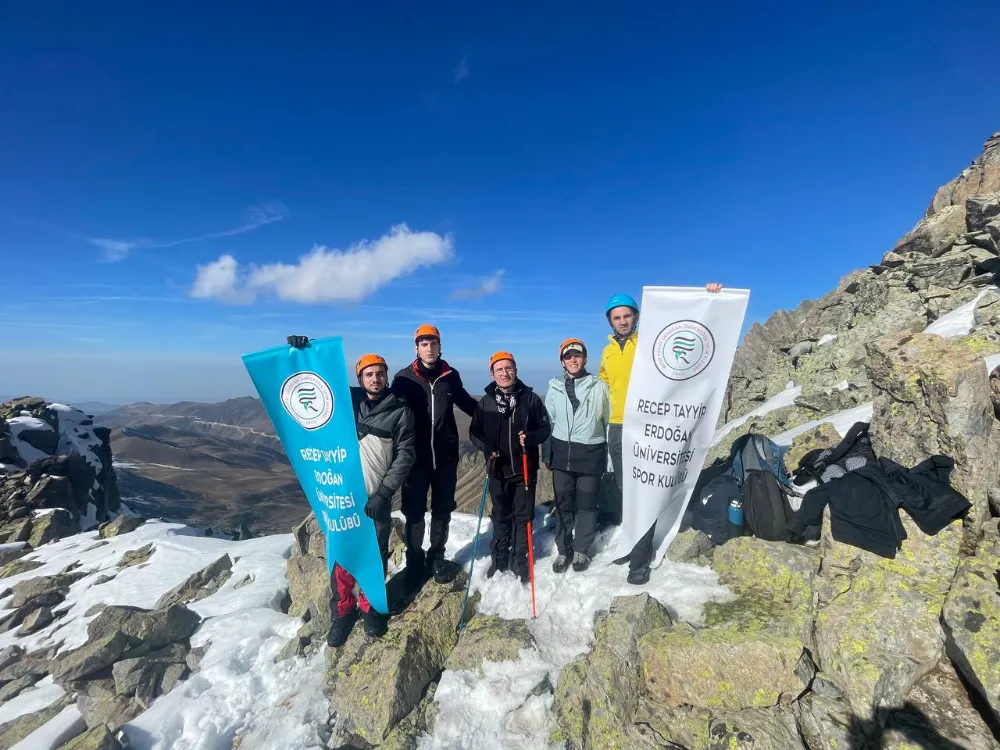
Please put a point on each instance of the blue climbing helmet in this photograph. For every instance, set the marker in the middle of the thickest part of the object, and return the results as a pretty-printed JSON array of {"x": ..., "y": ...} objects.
[{"x": 620, "y": 300}]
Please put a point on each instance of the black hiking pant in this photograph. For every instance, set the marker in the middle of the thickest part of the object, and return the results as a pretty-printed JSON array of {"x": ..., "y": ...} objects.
[
  {"x": 576, "y": 511},
  {"x": 441, "y": 483},
  {"x": 642, "y": 552},
  {"x": 512, "y": 508}
]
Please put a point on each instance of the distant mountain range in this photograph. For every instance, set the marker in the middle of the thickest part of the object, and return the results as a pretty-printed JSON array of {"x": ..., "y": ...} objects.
[{"x": 209, "y": 464}]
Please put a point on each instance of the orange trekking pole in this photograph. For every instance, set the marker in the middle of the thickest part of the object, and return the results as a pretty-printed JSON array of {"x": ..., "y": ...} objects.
[{"x": 531, "y": 550}]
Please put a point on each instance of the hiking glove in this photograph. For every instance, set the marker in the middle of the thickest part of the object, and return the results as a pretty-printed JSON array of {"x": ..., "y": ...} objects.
[
  {"x": 299, "y": 342},
  {"x": 377, "y": 505}
]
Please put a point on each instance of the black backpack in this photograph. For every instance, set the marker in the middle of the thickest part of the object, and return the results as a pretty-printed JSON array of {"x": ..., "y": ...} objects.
[
  {"x": 710, "y": 509},
  {"x": 754, "y": 474}
]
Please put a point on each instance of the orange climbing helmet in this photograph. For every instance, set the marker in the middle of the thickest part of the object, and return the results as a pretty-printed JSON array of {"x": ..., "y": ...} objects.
[
  {"x": 572, "y": 345},
  {"x": 501, "y": 355},
  {"x": 427, "y": 331},
  {"x": 367, "y": 360}
]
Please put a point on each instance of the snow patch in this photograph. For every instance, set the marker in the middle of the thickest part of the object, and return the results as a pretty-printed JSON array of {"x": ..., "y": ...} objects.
[
  {"x": 19, "y": 424},
  {"x": 58, "y": 730},
  {"x": 842, "y": 421},
  {"x": 826, "y": 338},
  {"x": 959, "y": 321},
  {"x": 43, "y": 694},
  {"x": 784, "y": 398}
]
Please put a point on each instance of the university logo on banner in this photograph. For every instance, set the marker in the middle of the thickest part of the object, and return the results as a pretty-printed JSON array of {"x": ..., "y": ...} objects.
[
  {"x": 307, "y": 396},
  {"x": 685, "y": 351}
]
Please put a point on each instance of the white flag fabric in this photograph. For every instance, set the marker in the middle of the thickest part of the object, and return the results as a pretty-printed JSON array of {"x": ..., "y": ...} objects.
[{"x": 687, "y": 341}]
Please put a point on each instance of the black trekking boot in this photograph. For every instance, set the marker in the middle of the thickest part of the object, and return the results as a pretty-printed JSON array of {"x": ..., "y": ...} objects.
[
  {"x": 560, "y": 564},
  {"x": 580, "y": 562},
  {"x": 639, "y": 576},
  {"x": 444, "y": 570},
  {"x": 415, "y": 574},
  {"x": 375, "y": 623},
  {"x": 341, "y": 629}
]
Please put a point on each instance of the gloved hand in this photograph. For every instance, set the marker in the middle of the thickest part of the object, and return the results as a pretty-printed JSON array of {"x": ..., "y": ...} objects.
[
  {"x": 299, "y": 342},
  {"x": 377, "y": 505}
]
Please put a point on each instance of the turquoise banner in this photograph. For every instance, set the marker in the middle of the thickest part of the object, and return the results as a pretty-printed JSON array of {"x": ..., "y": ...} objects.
[{"x": 308, "y": 397}]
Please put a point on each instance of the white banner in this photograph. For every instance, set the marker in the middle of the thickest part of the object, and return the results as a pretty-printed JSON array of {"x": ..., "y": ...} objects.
[{"x": 687, "y": 341}]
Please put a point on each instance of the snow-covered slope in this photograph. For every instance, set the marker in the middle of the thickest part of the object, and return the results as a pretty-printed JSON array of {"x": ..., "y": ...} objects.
[{"x": 240, "y": 693}]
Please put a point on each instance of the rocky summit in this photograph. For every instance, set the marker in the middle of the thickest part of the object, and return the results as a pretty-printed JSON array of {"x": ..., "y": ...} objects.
[{"x": 121, "y": 632}]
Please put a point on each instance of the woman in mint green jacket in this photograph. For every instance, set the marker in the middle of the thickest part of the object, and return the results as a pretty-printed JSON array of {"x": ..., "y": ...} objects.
[{"x": 579, "y": 408}]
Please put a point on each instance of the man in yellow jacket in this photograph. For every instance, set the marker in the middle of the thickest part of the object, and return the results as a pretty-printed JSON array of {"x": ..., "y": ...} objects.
[{"x": 616, "y": 368}]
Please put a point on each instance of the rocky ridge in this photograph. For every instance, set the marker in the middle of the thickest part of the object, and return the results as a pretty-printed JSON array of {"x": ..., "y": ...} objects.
[{"x": 56, "y": 474}]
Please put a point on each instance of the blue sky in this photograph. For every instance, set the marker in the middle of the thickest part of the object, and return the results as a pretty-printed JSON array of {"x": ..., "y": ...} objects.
[{"x": 170, "y": 175}]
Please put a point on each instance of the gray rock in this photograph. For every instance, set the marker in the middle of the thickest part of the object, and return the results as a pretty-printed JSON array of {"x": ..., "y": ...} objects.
[
  {"x": 932, "y": 396},
  {"x": 15, "y": 687},
  {"x": 136, "y": 556},
  {"x": 691, "y": 546},
  {"x": 987, "y": 311},
  {"x": 51, "y": 492},
  {"x": 860, "y": 593},
  {"x": 803, "y": 347},
  {"x": 155, "y": 628},
  {"x": 598, "y": 693},
  {"x": 194, "y": 657},
  {"x": 40, "y": 618},
  {"x": 98, "y": 738},
  {"x": 58, "y": 524},
  {"x": 489, "y": 638},
  {"x": 18, "y": 567},
  {"x": 971, "y": 621},
  {"x": 121, "y": 525},
  {"x": 92, "y": 657},
  {"x": 937, "y": 713},
  {"x": 380, "y": 684},
  {"x": 33, "y": 589},
  {"x": 980, "y": 210},
  {"x": 44, "y": 439},
  {"x": 17, "y": 531},
  {"x": 10, "y": 655},
  {"x": 102, "y": 706},
  {"x": 35, "y": 663},
  {"x": 16, "y": 730},
  {"x": 9, "y": 555},
  {"x": 197, "y": 586},
  {"x": 98, "y": 545},
  {"x": 172, "y": 674},
  {"x": 933, "y": 232}
]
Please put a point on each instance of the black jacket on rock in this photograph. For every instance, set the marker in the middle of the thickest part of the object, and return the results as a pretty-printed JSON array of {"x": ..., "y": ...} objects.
[
  {"x": 864, "y": 503},
  {"x": 490, "y": 431},
  {"x": 431, "y": 401}
]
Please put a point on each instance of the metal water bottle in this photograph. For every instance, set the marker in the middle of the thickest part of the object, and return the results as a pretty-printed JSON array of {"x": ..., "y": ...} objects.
[{"x": 736, "y": 512}]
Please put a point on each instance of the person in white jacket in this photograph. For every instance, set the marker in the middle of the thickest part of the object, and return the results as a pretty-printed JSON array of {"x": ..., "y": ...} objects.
[{"x": 579, "y": 408}]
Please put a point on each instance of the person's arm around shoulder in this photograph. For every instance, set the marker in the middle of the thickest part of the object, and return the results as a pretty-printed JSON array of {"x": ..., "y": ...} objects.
[
  {"x": 477, "y": 433},
  {"x": 539, "y": 426},
  {"x": 550, "y": 403},
  {"x": 462, "y": 398}
]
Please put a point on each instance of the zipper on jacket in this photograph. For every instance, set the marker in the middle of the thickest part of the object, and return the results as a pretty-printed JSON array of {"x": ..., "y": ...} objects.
[
  {"x": 433, "y": 454},
  {"x": 510, "y": 441}
]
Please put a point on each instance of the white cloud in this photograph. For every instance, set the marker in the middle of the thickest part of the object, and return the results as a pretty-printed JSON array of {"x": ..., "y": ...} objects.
[
  {"x": 461, "y": 71},
  {"x": 254, "y": 218},
  {"x": 489, "y": 286},
  {"x": 114, "y": 250},
  {"x": 325, "y": 274},
  {"x": 220, "y": 280}
]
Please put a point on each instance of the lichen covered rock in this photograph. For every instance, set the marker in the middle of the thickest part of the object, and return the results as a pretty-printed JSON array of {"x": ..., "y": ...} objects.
[
  {"x": 598, "y": 692},
  {"x": 490, "y": 638},
  {"x": 375, "y": 687},
  {"x": 773, "y": 582},
  {"x": 971, "y": 621},
  {"x": 877, "y": 629},
  {"x": 719, "y": 668}
]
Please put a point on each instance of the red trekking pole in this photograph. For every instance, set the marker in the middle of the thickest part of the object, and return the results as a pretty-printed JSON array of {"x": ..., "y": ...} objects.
[{"x": 531, "y": 550}]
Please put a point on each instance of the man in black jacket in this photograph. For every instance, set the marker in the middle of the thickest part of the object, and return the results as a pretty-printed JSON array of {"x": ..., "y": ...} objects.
[
  {"x": 431, "y": 389},
  {"x": 510, "y": 421}
]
